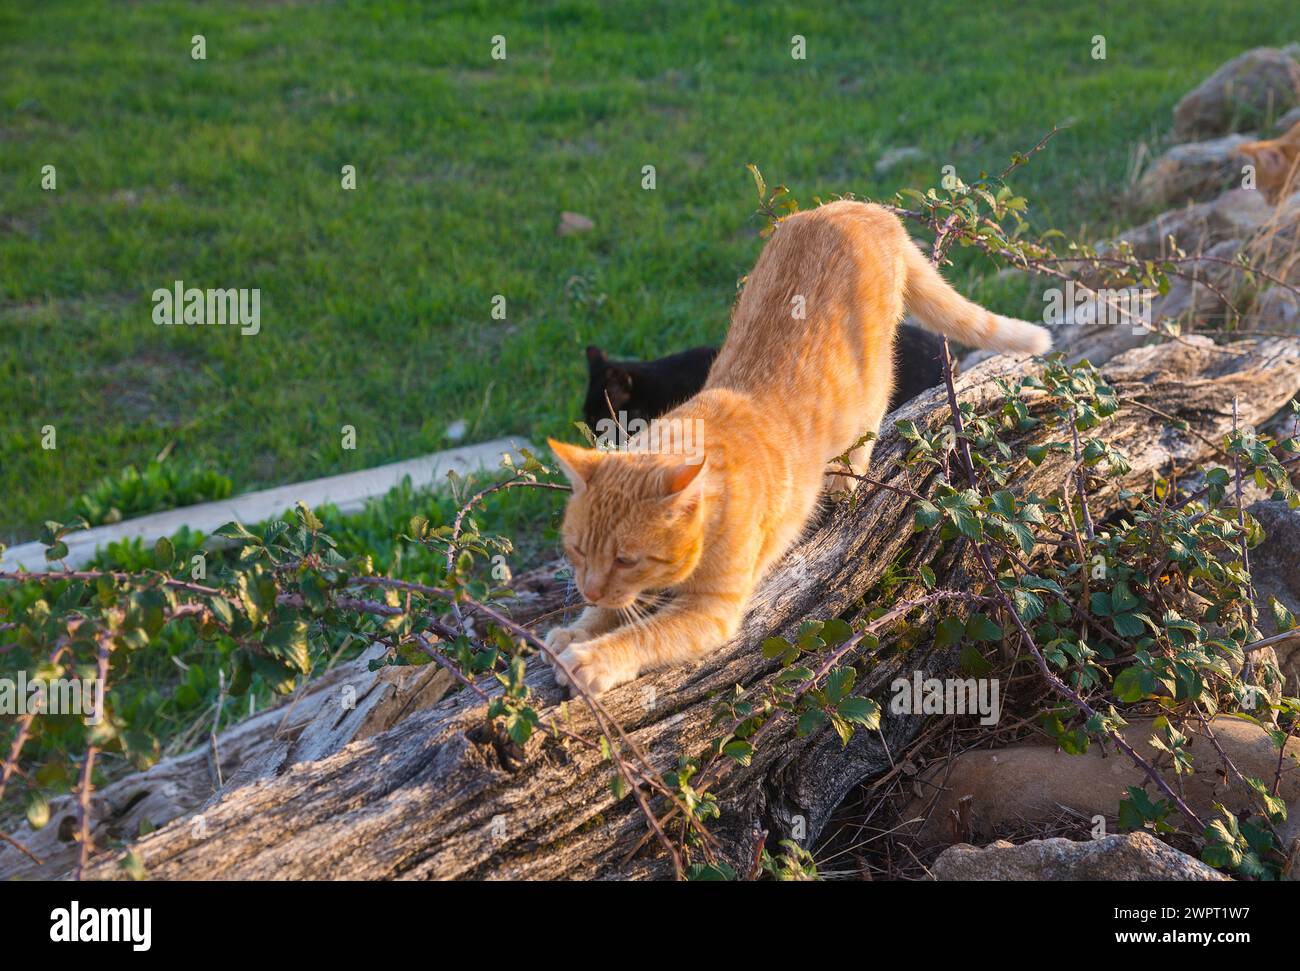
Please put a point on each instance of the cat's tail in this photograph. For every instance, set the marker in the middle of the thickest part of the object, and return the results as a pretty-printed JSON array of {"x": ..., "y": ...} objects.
[{"x": 940, "y": 308}]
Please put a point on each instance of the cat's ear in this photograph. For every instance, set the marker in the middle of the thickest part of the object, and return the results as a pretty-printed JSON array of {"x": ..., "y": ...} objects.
[
  {"x": 683, "y": 482},
  {"x": 1265, "y": 155},
  {"x": 1271, "y": 159},
  {"x": 577, "y": 463},
  {"x": 595, "y": 356}
]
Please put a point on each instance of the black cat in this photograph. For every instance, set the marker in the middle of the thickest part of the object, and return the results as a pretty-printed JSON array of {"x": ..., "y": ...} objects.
[{"x": 642, "y": 390}]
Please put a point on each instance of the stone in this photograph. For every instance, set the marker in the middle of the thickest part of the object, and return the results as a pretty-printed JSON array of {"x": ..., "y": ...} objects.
[
  {"x": 1195, "y": 300},
  {"x": 1276, "y": 311},
  {"x": 1191, "y": 172},
  {"x": 1275, "y": 571},
  {"x": 1198, "y": 303},
  {"x": 1131, "y": 856},
  {"x": 572, "y": 223},
  {"x": 1248, "y": 89},
  {"x": 1276, "y": 251},
  {"x": 1031, "y": 783},
  {"x": 1285, "y": 123},
  {"x": 1291, "y": 843},
  {"x": 896, "y": 157},
  {"x": 1235, "y": 214}
]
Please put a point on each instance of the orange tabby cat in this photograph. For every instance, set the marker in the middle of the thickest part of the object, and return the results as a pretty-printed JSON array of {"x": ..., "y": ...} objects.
[
  {"x": 667, "y": 549},
  {"x": 1276, "y": 161}
]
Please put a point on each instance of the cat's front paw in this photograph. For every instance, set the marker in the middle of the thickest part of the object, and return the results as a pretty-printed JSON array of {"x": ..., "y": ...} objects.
[
  {"x": 592, "y": 670},
  {"x": 559, "y": 639}
]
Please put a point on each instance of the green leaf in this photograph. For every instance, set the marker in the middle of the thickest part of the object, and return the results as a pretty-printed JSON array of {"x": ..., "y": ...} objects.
[
  {"x": 981, "y": 627},
  {"x": 1128, "y": 685},
  {"x": 860, "y": 711},
  {"x": 810, "y": 721},
  {"x": 774, "y": 647},
  {"x": 839, "y": 683},
  {"x": 237, "y": 532},
  {"x": 973, "y": 662},
  {"x": 38, "y": 810},
  {"x": 1127, "y": 625},
  {"x": 948, "y": 632},
  {"x": 741, "y": 751},
  {"x": 927, "y": 514},
  {"x": 222, "y": 611},
  {"x": 1283, "y": 617},
  {"x": 164, "y": 554},
  {"x": 835, "y": 632},
  {"x": 241, "y": 675},
  {"x": 288, "y": 640}
]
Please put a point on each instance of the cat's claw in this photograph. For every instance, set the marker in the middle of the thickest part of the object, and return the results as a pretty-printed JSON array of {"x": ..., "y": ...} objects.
[
  {"x": 559, "y": 639},
  {"x": 590, "y": 670}
]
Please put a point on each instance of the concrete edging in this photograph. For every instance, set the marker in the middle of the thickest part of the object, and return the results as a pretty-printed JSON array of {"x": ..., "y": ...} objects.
[{"x": 349, "y": 492}]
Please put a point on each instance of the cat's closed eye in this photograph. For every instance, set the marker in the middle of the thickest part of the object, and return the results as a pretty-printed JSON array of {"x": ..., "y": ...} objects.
[{"x": 626, "y": 561}]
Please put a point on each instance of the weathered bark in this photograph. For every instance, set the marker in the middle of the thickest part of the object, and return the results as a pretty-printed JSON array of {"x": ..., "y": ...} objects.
[
  {"x": 342, "y": 705},
  {"x": 432, "y": 798}
]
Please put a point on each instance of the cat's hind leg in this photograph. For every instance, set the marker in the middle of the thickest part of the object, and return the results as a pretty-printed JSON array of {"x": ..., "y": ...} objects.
[{"x": 859, "y": 460}]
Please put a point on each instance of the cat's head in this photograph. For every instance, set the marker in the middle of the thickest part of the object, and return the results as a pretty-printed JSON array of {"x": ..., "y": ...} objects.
[
  {"x": 635, "y": 521},
  {"x": 1274, "y": 159},
  {"x": 608, "y": 383}
]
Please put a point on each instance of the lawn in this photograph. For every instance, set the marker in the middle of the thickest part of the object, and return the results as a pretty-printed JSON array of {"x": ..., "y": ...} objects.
[{"x": 376, "y": 303}]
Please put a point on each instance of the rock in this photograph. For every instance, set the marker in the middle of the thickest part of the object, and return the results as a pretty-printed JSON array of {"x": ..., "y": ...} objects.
[
  {"x": 1245, "y": 91},
  {"x": 1279, "y": 237},
  {"x": 896, "y": 157},
  {"x": 1215, "y": 229},
  {"x": 1285, "y": 123},
  {"x": 1275, "y": 570},
  {"x": 1195, "y": 171},
  {"x": 1236, "y": 214},
  {"x": 1276, "y": 251},
  {"x": 1276, "y": 310},
  {"x": 1200, "y": 301},
  {"x": 1195, "y": 299},
  {"x": 572, "y": 223},
  {"x": 1030, "y": 783},
  {"x": 1132, "y": 856},
  {"x": 1291, "y": 843}
]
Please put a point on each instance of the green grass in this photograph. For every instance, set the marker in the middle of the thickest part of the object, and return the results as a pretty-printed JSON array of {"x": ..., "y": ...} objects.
[
  {"x": 171, "y": 690},
  {"x": 375, "y": 303}
]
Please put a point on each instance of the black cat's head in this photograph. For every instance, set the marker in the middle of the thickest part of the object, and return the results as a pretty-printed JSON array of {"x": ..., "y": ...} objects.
[{"x": 609, "y": 389}]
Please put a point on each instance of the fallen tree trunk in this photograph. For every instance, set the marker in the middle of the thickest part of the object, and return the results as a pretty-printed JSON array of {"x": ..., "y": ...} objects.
[
  {"x": 432, "y": 797},
  {"x": 347, "y": 703}
]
